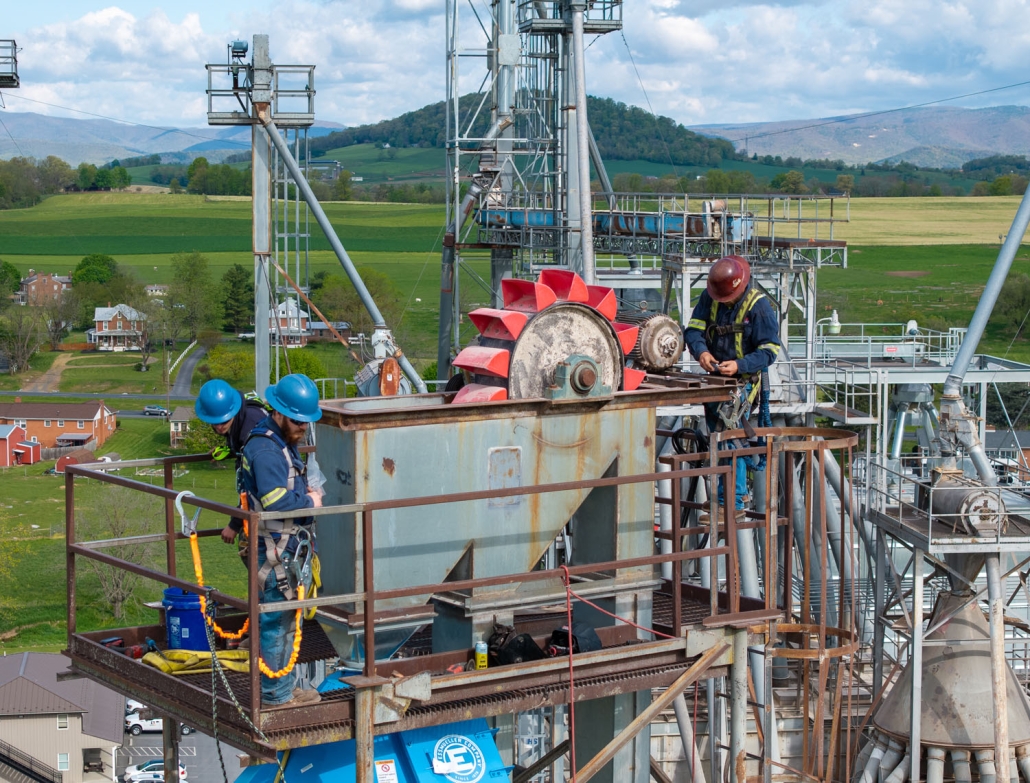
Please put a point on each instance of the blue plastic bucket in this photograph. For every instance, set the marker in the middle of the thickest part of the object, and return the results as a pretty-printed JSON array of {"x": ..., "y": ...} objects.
[{"x": 184, "y": 621}]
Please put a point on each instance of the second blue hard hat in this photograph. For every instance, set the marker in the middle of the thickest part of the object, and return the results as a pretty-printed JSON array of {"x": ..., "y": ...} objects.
[
  {"x": 295, "y": 397},
  {"x": 217, "y": 402}
]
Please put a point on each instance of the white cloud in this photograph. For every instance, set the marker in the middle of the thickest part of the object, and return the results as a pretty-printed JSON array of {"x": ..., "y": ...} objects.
[{"x": 701, "y": 61}]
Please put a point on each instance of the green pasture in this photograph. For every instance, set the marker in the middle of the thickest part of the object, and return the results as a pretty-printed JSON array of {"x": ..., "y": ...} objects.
[
  {"x": 127, "y": 224},
  {"x": 32, "y": 526},
  {"x": 398, "y": 164}
]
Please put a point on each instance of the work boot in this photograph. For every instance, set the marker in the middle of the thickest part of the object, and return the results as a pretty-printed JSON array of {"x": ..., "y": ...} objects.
[
  {"x": 704, "y": 518},
  {"x": 299, "y": 698}
]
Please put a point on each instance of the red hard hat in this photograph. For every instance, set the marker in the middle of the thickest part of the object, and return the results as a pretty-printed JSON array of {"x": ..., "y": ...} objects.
[{"x": 728, "y": 278}]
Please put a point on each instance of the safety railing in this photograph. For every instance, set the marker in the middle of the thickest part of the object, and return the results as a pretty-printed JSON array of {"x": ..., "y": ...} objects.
[
  {"x": 903, "y": 492},
  {"x": 27, "y": 764},
  {"x": 877, "y": 342},
  {"x": 724, "y": 558}
]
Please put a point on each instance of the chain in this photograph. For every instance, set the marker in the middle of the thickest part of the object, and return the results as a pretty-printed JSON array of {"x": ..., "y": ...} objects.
[{"x": 217, "y": 665}]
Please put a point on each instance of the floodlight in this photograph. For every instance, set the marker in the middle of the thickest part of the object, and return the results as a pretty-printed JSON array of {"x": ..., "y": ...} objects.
[{"x": 238, "y": 49}]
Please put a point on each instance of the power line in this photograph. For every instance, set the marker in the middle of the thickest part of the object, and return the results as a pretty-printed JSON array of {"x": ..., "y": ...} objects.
[
  {"x": 128, "y": 122},
  {"x": 853, "y": 117},
  {"x": 657, "y": 124}
]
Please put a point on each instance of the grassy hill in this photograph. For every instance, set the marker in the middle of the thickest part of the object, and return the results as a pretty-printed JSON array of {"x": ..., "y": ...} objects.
[{"x": 623, "y": 133}]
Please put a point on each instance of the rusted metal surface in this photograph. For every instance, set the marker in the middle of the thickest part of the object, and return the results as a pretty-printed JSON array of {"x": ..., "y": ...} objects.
[{"x": 629, "y": 667}]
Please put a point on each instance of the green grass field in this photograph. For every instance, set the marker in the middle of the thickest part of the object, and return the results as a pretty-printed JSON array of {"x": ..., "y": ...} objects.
[
  {"x": 375, "y": 165},
  {"x": 32, "y": 526}
]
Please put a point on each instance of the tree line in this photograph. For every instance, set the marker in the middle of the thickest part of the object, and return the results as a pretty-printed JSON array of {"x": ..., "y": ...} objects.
[
  {"x": 195, "y": 305},
  {"x": 622, "y": 133}
]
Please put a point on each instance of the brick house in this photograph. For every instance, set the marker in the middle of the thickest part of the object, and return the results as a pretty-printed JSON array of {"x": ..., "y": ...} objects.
[
  {"x": 65, "y": 726},
  {"x": 293, "y": 325},
  {"x": 54, "y": 424},
  {"x": 117, "y": 328},
  {"x": 39, "y": 287},
  {"x": 179, "y": 424}
]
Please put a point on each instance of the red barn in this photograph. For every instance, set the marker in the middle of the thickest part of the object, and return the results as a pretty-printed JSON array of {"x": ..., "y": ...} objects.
[
  {"x": 26, "y": 452},
  {"x": 76, "y": 457},
  {"x": 10, "y": 436}
]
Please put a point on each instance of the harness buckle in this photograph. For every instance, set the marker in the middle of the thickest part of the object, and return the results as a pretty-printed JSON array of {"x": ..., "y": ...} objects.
[{"x": 189, "y": 526}]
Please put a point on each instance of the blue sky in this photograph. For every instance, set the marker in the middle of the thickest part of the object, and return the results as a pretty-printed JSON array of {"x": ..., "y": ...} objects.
[{"x": 700, "y": 61}]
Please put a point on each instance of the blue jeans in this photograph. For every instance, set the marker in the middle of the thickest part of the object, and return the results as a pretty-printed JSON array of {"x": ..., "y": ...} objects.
[
  {"x": 740, "y": 488},
  {"x": 277, "y": 630}
]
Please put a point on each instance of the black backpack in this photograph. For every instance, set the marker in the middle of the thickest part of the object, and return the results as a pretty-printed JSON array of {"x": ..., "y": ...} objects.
[{"x": 505, "y": 646}]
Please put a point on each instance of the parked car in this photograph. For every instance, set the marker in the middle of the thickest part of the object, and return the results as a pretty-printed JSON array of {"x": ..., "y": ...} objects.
[
  {"x": 139, "y": 772},
  {"x": 136, "y": 725},
  {"x": 131, "y": 706},
  {"x": 156, "y": 410}
]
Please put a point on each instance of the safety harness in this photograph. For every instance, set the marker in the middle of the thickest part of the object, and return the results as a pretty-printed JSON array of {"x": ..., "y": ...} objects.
[
  {"x": 276, "y": 556},
  {"x": 733, "y": 414}
]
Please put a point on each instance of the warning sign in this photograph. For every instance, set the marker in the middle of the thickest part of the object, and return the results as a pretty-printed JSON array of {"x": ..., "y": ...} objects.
[{"x": 386, "y": 771}]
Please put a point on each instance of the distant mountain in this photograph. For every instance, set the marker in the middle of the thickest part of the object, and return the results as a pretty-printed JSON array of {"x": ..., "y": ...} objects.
[
  {"x": 99, "y": 141},
  {"x": 622, "y": 133},
  {"x": 938, "y": 137}
]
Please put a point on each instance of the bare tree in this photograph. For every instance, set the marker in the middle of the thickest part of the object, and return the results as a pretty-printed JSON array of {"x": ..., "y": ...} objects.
[
  {"x": 21, "y": 334},
  {"x": 118, "y": 513},
  {"x": 58, "y": 314}
]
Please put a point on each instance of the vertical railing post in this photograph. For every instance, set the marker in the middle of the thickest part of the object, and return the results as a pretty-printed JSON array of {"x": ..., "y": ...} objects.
[
  {"x": 677, "y": 541},
  {"x": 69, "y": 538},
  {"x": 370, "y": 600},
  {"x": 169, "y": 476},
  {"x": 254, "y": 591}
]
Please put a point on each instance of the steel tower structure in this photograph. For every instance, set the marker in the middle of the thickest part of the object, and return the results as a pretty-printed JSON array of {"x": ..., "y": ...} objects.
[{"x": 519, "y": 138}]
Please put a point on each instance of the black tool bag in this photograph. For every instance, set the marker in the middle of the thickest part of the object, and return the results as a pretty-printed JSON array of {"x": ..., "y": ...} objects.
[
  {"x": 584, "y": 639},
  {"x": 505, "y": 646}
]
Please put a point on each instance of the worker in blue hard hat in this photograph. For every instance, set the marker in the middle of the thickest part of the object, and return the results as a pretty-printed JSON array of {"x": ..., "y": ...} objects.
[
  {"x": 275, "y": 478},
  {"x": 232, "y": 415}
]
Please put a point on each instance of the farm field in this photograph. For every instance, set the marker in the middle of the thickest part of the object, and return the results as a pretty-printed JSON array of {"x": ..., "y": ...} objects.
[{"x": 32, "y": 583}]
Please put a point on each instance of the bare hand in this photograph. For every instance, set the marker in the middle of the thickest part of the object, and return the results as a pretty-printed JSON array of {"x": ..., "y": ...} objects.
[
  {"x": 707, "y": 362},
  {"x": 228, "y": 534},
  {"x": 728, "y": 368},
  {"x": 316, "y": 498}
]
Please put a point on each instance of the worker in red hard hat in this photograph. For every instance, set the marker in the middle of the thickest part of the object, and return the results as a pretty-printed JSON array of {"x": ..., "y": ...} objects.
[{"x": 733, "y": 331}]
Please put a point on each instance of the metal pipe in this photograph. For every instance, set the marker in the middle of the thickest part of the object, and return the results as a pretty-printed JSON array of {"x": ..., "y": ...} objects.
[
  {"x": 1022, "y": 762},
  {"x": 695, "y": 769},
  {"x": 999, "y": 666},
  {"x": 900, "y": 773},
  {"x": 889, "y": 760},
  {"x": 899, "y": 433},
  {"x": 861, "y": 760},
  {"x": 738, "y": 706},
  {"x": 334, "y": 241},
  {"x": 916, "y": 662},
  {"x": 935, "y": 765},
  {"x": 644, "y": 718},
  {"x": 989, "y": 297},
  {"x": 665, "y": 515},
  {"x": 583, "y": 146},
  {"x": 985, "y": 766},
  {"x": 960, "y": 766},
  {"x": 868, "y": 773}
]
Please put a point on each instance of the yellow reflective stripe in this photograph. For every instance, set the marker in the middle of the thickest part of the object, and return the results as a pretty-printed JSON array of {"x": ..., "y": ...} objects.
[
  {"x": 750, "y": 298},
  {"x": 696, "y": 323},
  {"x": 770, "y": 347},
  {"x": 276, "y": 494}
]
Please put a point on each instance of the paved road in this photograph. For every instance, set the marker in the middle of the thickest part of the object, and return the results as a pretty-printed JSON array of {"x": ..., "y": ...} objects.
[
  {"x": 196, "y": 752},
  {"x": 181, "y": 389}
]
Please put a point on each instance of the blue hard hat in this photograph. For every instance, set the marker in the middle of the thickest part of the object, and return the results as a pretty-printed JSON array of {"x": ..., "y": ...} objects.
[
  {"x": 217, "y": 402},
  {"x": 295, "y": 397}
]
